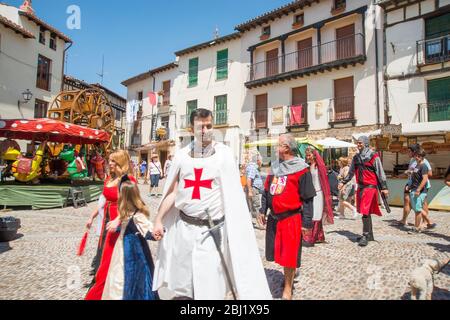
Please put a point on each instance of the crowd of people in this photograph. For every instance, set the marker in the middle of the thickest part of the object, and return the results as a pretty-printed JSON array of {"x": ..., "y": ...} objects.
[{"x": 205, "y": 219}]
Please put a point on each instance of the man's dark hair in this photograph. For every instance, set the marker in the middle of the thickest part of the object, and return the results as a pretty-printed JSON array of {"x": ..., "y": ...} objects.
[
  {"x": 415, "y": 148},
  {"x": 200, "y": 113}
]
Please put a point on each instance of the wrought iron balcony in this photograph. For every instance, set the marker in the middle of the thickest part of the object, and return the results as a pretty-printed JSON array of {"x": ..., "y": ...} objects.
[
  {"x": 324, "y": 56},
  {"x": 342, "y": 109},
  {"x": 436, "y": 111},
  {"x": 184, "y": 122},
  {"x": 434, "y": 50},
  {"x": 297, "y": 117},
  {"x": 136, "y": 140}
]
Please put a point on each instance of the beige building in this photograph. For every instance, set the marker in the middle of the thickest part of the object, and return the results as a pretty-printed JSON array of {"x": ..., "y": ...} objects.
[
  {"x": 31, "y": 60},
  {"x": 155, "y": 127},
  {"x": 417, "y": 77}
]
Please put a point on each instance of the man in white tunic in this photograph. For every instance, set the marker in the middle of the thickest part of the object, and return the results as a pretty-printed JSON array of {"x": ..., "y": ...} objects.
[{"x": 203, "y": 187}]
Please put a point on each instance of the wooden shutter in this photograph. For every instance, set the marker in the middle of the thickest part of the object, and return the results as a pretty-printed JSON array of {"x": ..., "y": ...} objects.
[
  {"x": 261, "y": 111},
  {"x": 166, "y": 90},
  {"x": 437, "y": 26},
  {"x": 40, "y": 109},
  {"x": 438, "y": 92},
  {"x": 222, "y": 64},
  {"x": 305, "y": 58},
  {"x": 272, "y": 62},
  {"x": 300, "y": 97},
  {"x": 344, "y": 99},
  {"x": 193, "y": 72},
  {"x": 221, "y": 110},
  {"x": 345, "y": 42}
]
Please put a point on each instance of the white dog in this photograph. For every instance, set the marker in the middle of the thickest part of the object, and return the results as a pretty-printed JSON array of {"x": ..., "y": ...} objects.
[{"x": 422, "y": 281}]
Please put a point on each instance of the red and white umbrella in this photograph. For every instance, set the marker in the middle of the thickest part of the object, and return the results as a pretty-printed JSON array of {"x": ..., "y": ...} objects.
[{"x": 51, "y": 131}]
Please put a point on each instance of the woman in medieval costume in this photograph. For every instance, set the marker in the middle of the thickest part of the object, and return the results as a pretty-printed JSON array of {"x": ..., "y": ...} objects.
[
  {"x": 323, "y": 212},
  {"x": 118, "y": 166},
  {"x": 130, "y": 275}
]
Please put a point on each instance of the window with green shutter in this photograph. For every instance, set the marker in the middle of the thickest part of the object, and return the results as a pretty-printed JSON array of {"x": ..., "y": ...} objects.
[
  {"x": 191, "y": 106},
  {"x": 439, "y": 99},
  {"x": 193, "y": 72},
  {"x": 222, "y": 64},
  {"x": 221, "y": 110}
]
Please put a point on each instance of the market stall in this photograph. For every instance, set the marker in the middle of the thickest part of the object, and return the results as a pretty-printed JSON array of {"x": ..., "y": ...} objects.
[{"x": 392, "y": 142}]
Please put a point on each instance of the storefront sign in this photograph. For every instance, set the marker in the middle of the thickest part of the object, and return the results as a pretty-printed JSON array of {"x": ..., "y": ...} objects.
[{"x": 392, "y": 129}]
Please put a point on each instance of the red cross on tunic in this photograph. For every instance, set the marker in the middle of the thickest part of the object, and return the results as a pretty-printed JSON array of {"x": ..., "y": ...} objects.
[{"x": 197, "y": 184}]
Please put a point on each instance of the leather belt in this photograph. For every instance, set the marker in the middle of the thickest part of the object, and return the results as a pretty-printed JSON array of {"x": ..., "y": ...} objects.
[
  {"x": 285, "y": 215},
  {"x": 367, "y": 186},
  {"x": 199, "y": 222}
]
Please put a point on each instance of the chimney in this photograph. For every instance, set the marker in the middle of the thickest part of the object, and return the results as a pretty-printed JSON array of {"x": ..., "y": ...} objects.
[{"x": 27, "y": 7}]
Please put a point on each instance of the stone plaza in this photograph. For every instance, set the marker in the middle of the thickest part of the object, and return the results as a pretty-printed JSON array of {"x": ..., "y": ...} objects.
[{"x": 41, "y": 264}]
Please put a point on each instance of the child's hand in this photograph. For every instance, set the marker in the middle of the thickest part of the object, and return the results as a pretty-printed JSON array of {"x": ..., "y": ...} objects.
[
  {"x": 158, "y": 231},
  {"x": 417, "y": 193}
]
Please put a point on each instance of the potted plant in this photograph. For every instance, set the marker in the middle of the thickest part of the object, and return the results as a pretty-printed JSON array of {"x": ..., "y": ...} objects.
[{"x": 8, "y": 228}]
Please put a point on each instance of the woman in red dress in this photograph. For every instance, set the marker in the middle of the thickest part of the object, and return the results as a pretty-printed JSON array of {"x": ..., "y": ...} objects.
[{"x": 118, "y": 166}]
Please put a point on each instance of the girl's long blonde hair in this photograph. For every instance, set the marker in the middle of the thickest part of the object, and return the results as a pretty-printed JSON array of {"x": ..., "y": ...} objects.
[
  {"x": 130, "y": 201},
  {"x": 122, "y": 160}
]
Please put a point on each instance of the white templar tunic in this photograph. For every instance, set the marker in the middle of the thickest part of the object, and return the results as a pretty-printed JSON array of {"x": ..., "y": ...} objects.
[{"x": 195, "y": 255}]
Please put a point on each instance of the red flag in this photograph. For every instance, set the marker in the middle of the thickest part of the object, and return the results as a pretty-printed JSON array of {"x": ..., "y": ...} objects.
[
  {"x": 152, "y": 98},
  {"x": 82, "y": 245},
  {"x": 296, "y": 115}
]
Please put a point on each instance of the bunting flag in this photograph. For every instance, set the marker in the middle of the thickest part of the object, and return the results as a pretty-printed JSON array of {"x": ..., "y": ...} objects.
[
  {"x": 82, "y": 245},
  {"x": 152, "y": 98}
]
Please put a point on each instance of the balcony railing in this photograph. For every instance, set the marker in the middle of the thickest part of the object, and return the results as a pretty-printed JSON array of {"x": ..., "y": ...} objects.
[
  {"x": 136, "y": 140},
  {"x": 44, "y": 83},
  {"x": 221, "y": 117},
  {"x": 436, "y": 111},
  {"x": 185, "y": 122},
  {"x": 260, "y": 119},
  {"x": 337, "y": 50},
  {"x": 342, "y": 109},
  {"x": 297, "y": 117},
  {"x": 433, "y": 50}
]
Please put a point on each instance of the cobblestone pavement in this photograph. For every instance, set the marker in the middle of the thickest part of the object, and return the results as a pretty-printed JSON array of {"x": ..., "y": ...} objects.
[{"x": 42, "y": 262}]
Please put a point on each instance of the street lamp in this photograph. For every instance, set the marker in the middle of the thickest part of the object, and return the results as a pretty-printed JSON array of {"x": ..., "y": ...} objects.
[{"x": 27, "y": 95}]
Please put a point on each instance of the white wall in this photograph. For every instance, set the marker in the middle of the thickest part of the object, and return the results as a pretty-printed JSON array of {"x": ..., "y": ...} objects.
[
  {"x": 405, "y": 95},
  {"x": 208, "y": 87},
  {"x": 18, "y": 66},
  {"x": 320, "y": 86}
]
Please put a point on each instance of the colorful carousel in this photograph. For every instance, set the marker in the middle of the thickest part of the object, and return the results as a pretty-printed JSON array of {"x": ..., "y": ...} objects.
[{"x": 62, "y": 159}]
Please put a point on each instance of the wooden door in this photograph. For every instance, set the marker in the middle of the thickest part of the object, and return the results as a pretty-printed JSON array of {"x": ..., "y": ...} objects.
[
  {"x": 305, "y": 53},
  {"x": 345, "y": 42},
  {"x": 344, "y": 99},
  {"x": 261, "y": 111},
  {"x": 272, "y": 62},
  {"x": 166, "y": 90},
  {"x": 300, "y": 97}
]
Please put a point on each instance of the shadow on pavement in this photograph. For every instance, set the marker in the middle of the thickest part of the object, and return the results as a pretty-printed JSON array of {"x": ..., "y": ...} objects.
[
  {"x": 437, "y": 235},
  {"x": 4, "y": 247},
  {"x": 276, "y": 284},
  {"x": 440, "y": 247},
  {"x": 348, "y": 234},
  {"x": 395, "y": 224},
  {"x": 438, "y": 294}
]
